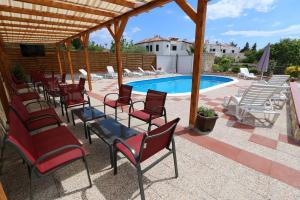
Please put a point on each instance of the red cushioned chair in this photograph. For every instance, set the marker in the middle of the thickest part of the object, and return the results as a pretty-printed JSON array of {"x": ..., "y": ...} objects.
[
  {"x": 46, "y": 151},
  {"x": 144, "y": 145},
  {"x": 51, "y": 89},
  {"x": 37, "y": 119},
  {"x": 73, "y": 95},
  {"x": 63, "y": 79},
  {"x": 124, "y": 98},
  {"x": 28, "y": 96},
  {"x": 19, "y": 84},
  {"x": 154, "y": 107}
]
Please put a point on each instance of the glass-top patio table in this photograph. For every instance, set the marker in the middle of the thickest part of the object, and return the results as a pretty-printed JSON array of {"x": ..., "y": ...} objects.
[
  {"x": 86, "y": 114},
  {"x": 109, "y": 129}
]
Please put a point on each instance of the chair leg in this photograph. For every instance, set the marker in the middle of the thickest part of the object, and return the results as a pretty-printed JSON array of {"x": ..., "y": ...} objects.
[
  {"x": 174, "y": 158},
  {"x": 2, "y": 153},
  {"x": 66, "y": 108},
  {"x": 73, "y": 120},
  {"x": 87, "y": 171},
  {"x": 30, "y": 182},
  {"x": 116, "y": 114},
  {"x": 166, "y": 118},
  {"x": 89, "y": 134},
  {"x": 115, "y": 161},
  {"x": 104, "y": 109},
  {"x": 62, "y": 108},
  {"x": 111, "y": 151},
  {"x": 140, "y": 180},
  {"x": 129, "y": 117},
  {"x": 149, "y": 126}
]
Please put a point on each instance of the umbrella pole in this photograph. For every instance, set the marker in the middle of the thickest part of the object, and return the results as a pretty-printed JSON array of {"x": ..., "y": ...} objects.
[{"x": 262, "y": 74}]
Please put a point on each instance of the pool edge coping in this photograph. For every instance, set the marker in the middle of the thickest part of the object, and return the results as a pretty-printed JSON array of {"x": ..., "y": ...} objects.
[{"x": 234, "y": 80}]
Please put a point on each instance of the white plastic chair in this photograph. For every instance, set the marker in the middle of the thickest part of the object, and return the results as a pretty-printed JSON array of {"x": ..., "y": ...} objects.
[
  {"x": 93, "y": 76},
  {"x": 111, "y": 72},
  {"x": 131, "y": 73},
  {"x": 157, "y": 71},
  {"x": 146, "y": 72},
  {"x": 244, "y": 72}
]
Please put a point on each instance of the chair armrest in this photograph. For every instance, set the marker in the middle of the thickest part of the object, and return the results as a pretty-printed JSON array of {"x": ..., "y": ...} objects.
[
  {"x": 39, "y": 102},
  {"x": 44, "y": 117},
  {"x": 56, "y": 151},
  {"x": 131, "y": 150},
  {"x": 109, "y": 95},
  {"x": 131, "y": 105}
]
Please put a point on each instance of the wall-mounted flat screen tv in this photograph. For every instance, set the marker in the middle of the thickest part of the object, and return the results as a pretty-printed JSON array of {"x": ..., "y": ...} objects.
[{"x": 29, "y": 50}]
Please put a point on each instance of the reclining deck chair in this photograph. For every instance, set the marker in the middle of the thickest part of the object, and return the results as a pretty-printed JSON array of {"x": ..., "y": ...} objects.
[
  {"x": 124, "y": 98},
  {"x": 255, "y": 99},
  {"x": 37, "y": 119},
  {"x": 111, "y": 72},
  {"x": 244, "y": 72},
  {"x": 154, "y": 107},
  {"x": 139, "y": 148},
  {"x": 93, "y": 76},
  {"x": 45, "y": 152}
]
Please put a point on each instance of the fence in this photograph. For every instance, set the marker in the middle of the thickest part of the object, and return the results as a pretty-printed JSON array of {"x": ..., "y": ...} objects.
[
  {"x": 98, "y": 60},
  {"x": 183, "y": 64}
]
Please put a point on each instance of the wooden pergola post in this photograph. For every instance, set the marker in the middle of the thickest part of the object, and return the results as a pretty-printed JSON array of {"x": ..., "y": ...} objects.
[
  {"x": 116, "y": 33},
  {"x": 85, "y": 43},
  {"x": 199, "y": 18},
  {"x": 58, "y": 59},
  {"x": 3, "y": 96},
  {"x": 68, "y": 47}
]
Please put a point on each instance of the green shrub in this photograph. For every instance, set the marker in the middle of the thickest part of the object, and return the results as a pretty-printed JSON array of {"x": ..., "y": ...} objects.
[
  {"x": 235, "y": 69},
  {"x": 216, "y": 68},
  {"x": 253, "y": 70},
  {"x": 206, "y": 112},
  {"x": 18, "y": 72},
  {"x": 293, "y": 71}
]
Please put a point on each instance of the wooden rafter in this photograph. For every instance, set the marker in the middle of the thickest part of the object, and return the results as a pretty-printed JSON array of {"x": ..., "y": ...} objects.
[
  {"x": 36, "y": 21},
  {"x": 40, "y": 27},
  {"x": 124, "y": 3},
  {"x": 70, "y": 6},
  {"x": 47, "y": 14},
  {"x": 36, "y": 31},
  {"x": 189, "y": 11},
  {"x": 134, "y": 12},
  {"x": 32, "y": 34}
]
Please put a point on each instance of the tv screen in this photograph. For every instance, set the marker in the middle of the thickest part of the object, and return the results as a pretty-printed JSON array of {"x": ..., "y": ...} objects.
[{"x": 32, "y": 50}]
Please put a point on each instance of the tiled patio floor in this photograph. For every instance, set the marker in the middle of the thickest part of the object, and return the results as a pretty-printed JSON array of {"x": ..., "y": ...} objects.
[{"x": 234, "y": 161}]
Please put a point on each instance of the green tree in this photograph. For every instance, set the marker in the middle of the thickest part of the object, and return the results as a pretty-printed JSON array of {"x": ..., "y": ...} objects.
[
  {"x": 95, "y": 47},
  {"x": 76, "y": 44},
  {"x": 127, "y": 47},
  {"x": 254, "y": 47},
  {"x": 246, "y": 47},
  {"x": 233, "y": 44}
]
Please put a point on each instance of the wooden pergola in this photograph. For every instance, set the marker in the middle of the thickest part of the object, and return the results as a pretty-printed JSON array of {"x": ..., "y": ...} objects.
[{"x": 60, "y": 21}]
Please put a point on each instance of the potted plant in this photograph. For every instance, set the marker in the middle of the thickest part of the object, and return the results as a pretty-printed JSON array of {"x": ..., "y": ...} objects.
[{"x": 206, "y": 119}]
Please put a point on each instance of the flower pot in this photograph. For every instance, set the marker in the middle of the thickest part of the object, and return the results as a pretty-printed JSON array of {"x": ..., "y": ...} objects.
[{"x": 205, "y": 123}]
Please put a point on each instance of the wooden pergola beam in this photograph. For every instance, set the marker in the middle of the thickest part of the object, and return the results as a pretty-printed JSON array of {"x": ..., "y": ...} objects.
[
  {"x": 32, "y": 34},
  {"x": 85, "y": 43},
  {"x": 36, "y": 21},
  {"x": 35, "y": 31},
  {"x": 198, "y": 59},
  {"x": 70, "y": 6},
  {"x": 47, "y": 14},
  {"x": 68, "y": 47},
  {"x": 124, "y": 3},
  {"x": 40, "y": 27},
  {"x": 134, "y": 12},
  {"x": 116, "y": 30},
  {"x": 58, "y": 59},
  {"x": 189, "y": 11}
]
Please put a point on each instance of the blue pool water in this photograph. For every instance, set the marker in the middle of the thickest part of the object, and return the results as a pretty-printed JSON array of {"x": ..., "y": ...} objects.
[{"x": 177, "y": 84}]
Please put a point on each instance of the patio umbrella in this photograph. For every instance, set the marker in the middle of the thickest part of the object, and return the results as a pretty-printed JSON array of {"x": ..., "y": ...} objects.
[{"x": 263, "y": 63}]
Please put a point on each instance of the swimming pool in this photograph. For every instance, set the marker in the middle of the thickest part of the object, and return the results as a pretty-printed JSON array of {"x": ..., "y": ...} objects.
[{"x": 180, "y": 85}]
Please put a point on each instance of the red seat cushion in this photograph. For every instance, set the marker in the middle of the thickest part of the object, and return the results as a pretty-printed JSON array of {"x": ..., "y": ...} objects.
[
  {"x": 53, "y": 139},
  {"x": 29, "y": 96},
  {"x": 43, "y": 122},
  {"x": 135, "y": 143},
  {"x": 143, "y": 115},
  {"x": 113, "y": 104},
  {"x": 73, "y": 102}
]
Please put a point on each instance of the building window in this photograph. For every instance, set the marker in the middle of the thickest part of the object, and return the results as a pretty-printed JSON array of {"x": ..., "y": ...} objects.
[
  {"x": 224, "y": 50},
  {"x": 157, "y": 47},
  {"x": 232, "y": 51},
  {"x": 174, "y": 48},
  {"x": 214, "y": 50},
  {"x": 150, "y": 48},
  {"x": 147, "y": 48},
  {"x": 167, "y": 46}
]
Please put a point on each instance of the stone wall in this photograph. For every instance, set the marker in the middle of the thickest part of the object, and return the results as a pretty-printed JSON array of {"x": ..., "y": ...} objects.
[{"x": 294, "y": 104}]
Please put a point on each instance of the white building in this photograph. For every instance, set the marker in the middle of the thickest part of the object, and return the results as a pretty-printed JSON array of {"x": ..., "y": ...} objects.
[
  {"x": 166, "y": 46},
  {"x": 220, "y": 49}
]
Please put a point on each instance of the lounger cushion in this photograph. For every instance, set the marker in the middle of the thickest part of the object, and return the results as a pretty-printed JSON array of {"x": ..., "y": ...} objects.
[
  {"x": 53, "y": 139},
  {"x": 143, "y": 115},
  {"x": 135, "y": 143},
  {"x": 29, "y": 96}
]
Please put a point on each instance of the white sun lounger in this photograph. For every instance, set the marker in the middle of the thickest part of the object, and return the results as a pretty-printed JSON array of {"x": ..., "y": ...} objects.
[
  {"x": 93, "y": 76},
  {"x": 255, "y": 99},
  {"x": 111, "y": 72},
  {"x": 146, "y": 72},
  {"x": 128, "y": 72},
  {"x": 157, "y": 71},
  {"x": 244, "y": 72}
]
